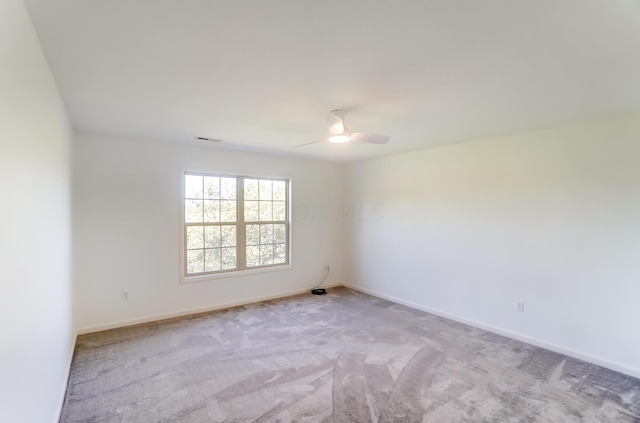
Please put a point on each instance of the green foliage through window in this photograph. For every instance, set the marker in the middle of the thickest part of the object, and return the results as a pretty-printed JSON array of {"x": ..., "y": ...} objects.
[{"x": 234, "y": 223}]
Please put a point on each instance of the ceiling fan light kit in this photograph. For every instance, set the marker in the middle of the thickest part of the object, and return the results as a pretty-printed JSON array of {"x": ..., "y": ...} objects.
[{"x": 340, "y": 138}]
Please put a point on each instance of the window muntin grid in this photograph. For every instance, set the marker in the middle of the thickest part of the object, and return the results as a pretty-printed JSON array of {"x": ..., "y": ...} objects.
[{"x": 234, "y": 223}]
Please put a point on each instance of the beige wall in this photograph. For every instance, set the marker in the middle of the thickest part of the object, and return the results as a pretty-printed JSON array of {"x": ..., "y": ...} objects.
[
  {"x": 35, "y": 231},
  {"x": 126, "y": 228},
  {"x": 549, "y": 218}
]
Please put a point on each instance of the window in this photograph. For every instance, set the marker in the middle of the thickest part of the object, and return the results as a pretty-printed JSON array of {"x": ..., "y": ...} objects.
[{"x": 234, "y": 223}]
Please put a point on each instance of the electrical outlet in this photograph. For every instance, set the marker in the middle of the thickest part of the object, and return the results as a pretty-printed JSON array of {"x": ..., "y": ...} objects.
[
  {"x": 125, "y": 296},
  {"x": 520, "y": 307}
]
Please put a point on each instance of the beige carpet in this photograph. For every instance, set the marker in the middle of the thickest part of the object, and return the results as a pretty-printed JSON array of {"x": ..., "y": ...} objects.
[{"x": 344, "y": 357}]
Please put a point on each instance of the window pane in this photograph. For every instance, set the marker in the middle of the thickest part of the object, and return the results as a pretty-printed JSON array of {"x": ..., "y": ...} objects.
[
  {"x": 228, "y": 258},
  {"x": 253, "y": 256},
  {"x": 228, "y": 188},
  {"x": 250, "y": 189},
  {"x": 195, "y": 261},
  {"x": 279, "y": 190},
  {"x": 266, "y": 211},
  {"x": 211, "y": 211},
  {"x": 253, "y": 234},
  {"x": 194, "y": 236},
  {"x": 228, "y": 236},
  {"x": 279, "y": 210},
  {"x": 228, "y": 211},
  {"x": 192, "y": 186},
  {"x": 193, "y": 211},
  {"x": 212, "y": 187},
  {"x": 211, "y": 223},
  {"x": 279, "y": 233},
  {"x": 266, "y": 234},
  {"x": 265, "y": 190},
  {"x": 266, "y": 254},
  {"x": 279, "y": 254},
  {"x": 212, "y": 236},
  {"x": 250, "y": 211},
  {"x": 212, "y": 260}
]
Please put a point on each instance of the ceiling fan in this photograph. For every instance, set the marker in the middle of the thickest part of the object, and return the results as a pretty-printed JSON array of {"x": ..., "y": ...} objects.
[{"x": 338, "y": 132}]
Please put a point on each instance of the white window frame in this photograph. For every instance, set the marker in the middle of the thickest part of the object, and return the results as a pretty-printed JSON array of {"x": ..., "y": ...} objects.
[{"x": 241, "y": 268}]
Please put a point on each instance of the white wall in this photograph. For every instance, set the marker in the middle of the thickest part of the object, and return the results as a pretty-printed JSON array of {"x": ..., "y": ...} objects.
[
  {"x": 35, "y": 304},
  {"x": 549, "y": 218},
  {"x": 126, "y": 228}
]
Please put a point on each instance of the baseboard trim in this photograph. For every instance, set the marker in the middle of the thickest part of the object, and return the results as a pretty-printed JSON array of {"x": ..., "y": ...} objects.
[
  {"x": 612, "y": 365},
  {"x": 182, "y": 313},
  {"x": 58, "y": 415}
]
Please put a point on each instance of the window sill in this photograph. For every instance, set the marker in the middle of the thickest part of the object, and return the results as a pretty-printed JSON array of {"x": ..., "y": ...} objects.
[{"x": 238, "y": 273}]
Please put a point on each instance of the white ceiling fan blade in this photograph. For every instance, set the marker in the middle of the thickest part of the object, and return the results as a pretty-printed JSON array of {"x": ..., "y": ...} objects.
[
  {"x": 309, "y": 143},
  {"x": 370, "y": 138}
]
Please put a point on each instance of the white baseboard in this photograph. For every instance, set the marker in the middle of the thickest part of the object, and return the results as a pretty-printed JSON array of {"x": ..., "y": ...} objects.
[
  {"x": 57, "y": 416},
  {"x": 631, "y": 371},
  {"x": 181, "y": 313}
]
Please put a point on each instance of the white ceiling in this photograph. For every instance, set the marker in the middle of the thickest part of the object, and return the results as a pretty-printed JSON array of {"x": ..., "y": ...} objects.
[{"x": 263, "y": 74}]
